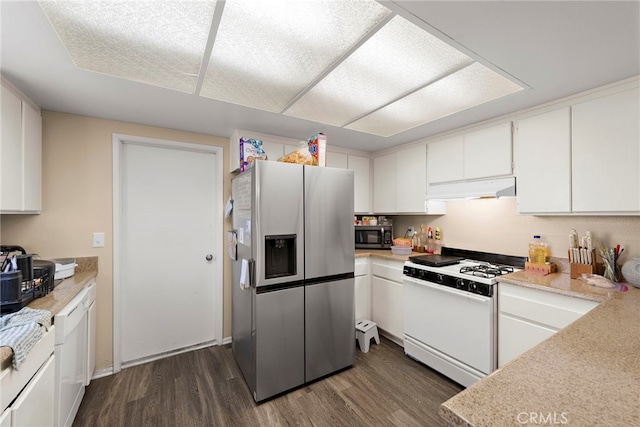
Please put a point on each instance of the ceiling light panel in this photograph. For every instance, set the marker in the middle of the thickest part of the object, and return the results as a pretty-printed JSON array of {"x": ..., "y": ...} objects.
[
  {"x": 397, "y": 60},
  {"x": 267, "y": 52},
  {"x": 156, "y": 42},
  {"x": 471, "y": 86}
]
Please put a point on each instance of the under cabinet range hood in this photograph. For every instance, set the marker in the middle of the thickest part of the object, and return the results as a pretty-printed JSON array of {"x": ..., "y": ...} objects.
[{"x": 496, "y": 187}]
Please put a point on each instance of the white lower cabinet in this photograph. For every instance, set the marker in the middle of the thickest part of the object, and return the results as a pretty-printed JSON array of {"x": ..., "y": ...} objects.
[
  {"x": 386, "y": 297},
  {"x": 529, "y": 316},
  {"x": 34, "y": 405},
  {"x": 27, "y": 394},
  {"x": 363, "y": 289},
  {"x": 5, "y": 418}
]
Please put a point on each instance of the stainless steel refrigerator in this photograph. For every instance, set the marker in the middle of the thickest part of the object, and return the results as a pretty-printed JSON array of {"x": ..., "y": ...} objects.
[{"x": 293, "y": 283}]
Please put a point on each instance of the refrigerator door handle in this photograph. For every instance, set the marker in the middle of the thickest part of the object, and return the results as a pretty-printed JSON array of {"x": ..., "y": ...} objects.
[{"x": 252, "y": 272}]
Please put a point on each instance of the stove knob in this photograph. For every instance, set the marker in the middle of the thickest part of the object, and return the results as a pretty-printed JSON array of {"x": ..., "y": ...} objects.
[
  {"x": 439, "y": 278},
  {"x": 473, "y": 286},
  {"x": 460, "y": 283}
]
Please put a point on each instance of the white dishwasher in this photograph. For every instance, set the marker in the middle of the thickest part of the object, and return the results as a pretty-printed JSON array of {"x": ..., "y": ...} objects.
[{"x": 71, "y": 356}]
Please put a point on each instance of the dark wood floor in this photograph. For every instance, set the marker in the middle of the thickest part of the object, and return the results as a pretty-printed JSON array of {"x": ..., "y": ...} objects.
[{"x": 205, "y": 388}]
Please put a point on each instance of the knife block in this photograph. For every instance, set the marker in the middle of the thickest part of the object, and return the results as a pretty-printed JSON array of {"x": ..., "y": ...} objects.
[{"x": 578, "y": 269}]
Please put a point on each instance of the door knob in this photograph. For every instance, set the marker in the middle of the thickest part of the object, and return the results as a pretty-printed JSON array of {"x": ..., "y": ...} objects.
[{"x": 209, "y": 257}]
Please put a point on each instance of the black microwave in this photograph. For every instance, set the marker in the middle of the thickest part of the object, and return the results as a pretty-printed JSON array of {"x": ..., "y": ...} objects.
[{"x": 374, "y": 236}]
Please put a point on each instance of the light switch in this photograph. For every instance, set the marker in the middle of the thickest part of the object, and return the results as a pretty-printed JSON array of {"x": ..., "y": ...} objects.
[{"x": 98, "y": 240}]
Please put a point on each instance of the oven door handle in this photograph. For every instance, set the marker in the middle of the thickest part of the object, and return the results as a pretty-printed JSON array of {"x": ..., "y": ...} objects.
[{"x": 441, "y": 288}]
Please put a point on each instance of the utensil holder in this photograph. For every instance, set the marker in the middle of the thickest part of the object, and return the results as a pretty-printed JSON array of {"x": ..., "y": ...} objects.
[{"x": 578, "y": 269}]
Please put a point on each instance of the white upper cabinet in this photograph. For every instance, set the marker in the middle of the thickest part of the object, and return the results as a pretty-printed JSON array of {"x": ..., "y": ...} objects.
[
  {"x": 400, "y": 183},
  {"x": 482, "y": 153},
  {"x": 488, "y": 152},
  {"x": 11, "y": 158},
  {"x": 384, "y": 184},
  {"x": 543, "y": 160},
  {"x": 445, "y": 160},
  {"x": 411, "y": 179},
  {"x": 20, "y": 153},
  {"x": 582, "y": 158},
  {"x": 361, "y": 182},
  {"x": 606, "y": 154},
  {"x": 360, "y": 167},
  {"x": 337, "y": 160}
]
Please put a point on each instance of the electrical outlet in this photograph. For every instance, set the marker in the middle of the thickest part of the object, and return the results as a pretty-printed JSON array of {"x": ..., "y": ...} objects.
[
  {"x": 98, "y": 240},
  {"x": 411, "y": 230}
]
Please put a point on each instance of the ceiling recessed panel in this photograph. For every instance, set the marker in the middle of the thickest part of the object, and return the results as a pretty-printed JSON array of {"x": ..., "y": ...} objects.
[
  {"x": 400, "y": 58},
  {"x": 266, "y": 52},
  {"x": 156, "y": 42},
  {"x": 469, "y": 87}
]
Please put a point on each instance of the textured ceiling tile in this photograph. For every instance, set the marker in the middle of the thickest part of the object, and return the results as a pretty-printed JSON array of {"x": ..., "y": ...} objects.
[
  {"x": 471, "y": 86},
  {"x": 397, "y": 60},
  {"x": 155, "y": 42},
  {"x": 266, "y": 52}
]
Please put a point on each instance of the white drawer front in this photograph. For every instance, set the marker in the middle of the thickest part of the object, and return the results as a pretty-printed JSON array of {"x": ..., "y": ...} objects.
[
  {"x": 546, "y": 308},
  {"x": 391, "y": 270}
]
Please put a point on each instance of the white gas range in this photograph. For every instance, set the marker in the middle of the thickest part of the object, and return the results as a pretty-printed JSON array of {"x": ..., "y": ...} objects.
[{"x": 450, "y": 311}]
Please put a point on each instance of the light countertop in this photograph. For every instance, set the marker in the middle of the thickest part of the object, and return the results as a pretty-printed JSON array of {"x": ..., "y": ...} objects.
[
  {"x": 383, "y": 254},
  {"x": 587, "y": 374},
  {"x": 86, "y": 270}
]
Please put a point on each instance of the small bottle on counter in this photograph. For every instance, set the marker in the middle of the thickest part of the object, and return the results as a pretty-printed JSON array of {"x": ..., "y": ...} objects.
[{"x": 421, "y": 240}]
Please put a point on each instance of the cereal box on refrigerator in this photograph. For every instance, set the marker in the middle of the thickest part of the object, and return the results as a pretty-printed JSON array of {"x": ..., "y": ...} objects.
[
  {"x": 318, "y": 149},
  {"x": 250, "y": 150}
]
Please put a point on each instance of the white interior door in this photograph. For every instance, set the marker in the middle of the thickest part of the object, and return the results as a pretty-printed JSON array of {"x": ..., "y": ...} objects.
[{"x": 167, "y": 279}]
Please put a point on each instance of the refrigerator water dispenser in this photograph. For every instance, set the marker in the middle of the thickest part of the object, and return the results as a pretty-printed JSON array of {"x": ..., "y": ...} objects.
[{"x": 280, "y": 256}]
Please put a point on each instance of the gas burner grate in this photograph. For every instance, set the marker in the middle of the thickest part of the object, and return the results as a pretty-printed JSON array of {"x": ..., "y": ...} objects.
[{"x": 487, "y": 271}]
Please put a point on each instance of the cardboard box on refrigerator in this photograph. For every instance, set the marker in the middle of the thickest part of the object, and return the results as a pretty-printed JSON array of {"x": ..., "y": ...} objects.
[{"x": 318, "y": 149}]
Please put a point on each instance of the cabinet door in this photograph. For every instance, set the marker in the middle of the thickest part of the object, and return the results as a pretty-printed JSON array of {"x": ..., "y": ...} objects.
[
  {"x": 411, "y": 179},
  {"x": 606, "y": 154},
  {"x": 488, "y": 152},
  {"x": 274, "y": 150},
  {"x": 32, "y": 140},
  {"x": 91, "y": 342},
  {"x": 362, "y": 188},
  {"x": 544, "y": 163},
  {"x": 363, "y": 297},
  {"x": 386, "y": 305},
  {"x": 515, "y": 336},
  {"x": 11, "y": 165},
  {"x": 34, "y": 405},
  {"x": 290, "y": 148},
  {"x": 384, "y": 184},
  {"x": 5, "y": 418},
  {"x": 445, "y": 159},
  {"x": 337, "y": 160}
]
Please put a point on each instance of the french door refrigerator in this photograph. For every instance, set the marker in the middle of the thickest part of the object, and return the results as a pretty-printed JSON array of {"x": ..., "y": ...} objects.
[{"x": 292, "y": 280}]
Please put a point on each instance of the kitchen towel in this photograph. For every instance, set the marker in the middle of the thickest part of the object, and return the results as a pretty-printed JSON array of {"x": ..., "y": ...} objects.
[{"x": 20, "y": 331}]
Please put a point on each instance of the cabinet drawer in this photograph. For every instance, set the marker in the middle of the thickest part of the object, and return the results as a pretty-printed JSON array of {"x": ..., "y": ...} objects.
[
  {"x": 34, "y": 406},
  {"x": 361, "y": 267},
  {"x": 12, "y": 381},
  {"x": 391, "y": 270},
  {"x": 546, "y": 308}
]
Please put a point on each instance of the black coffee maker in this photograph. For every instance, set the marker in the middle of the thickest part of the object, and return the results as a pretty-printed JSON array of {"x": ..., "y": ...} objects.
[{"x": 23, "y": 278}]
